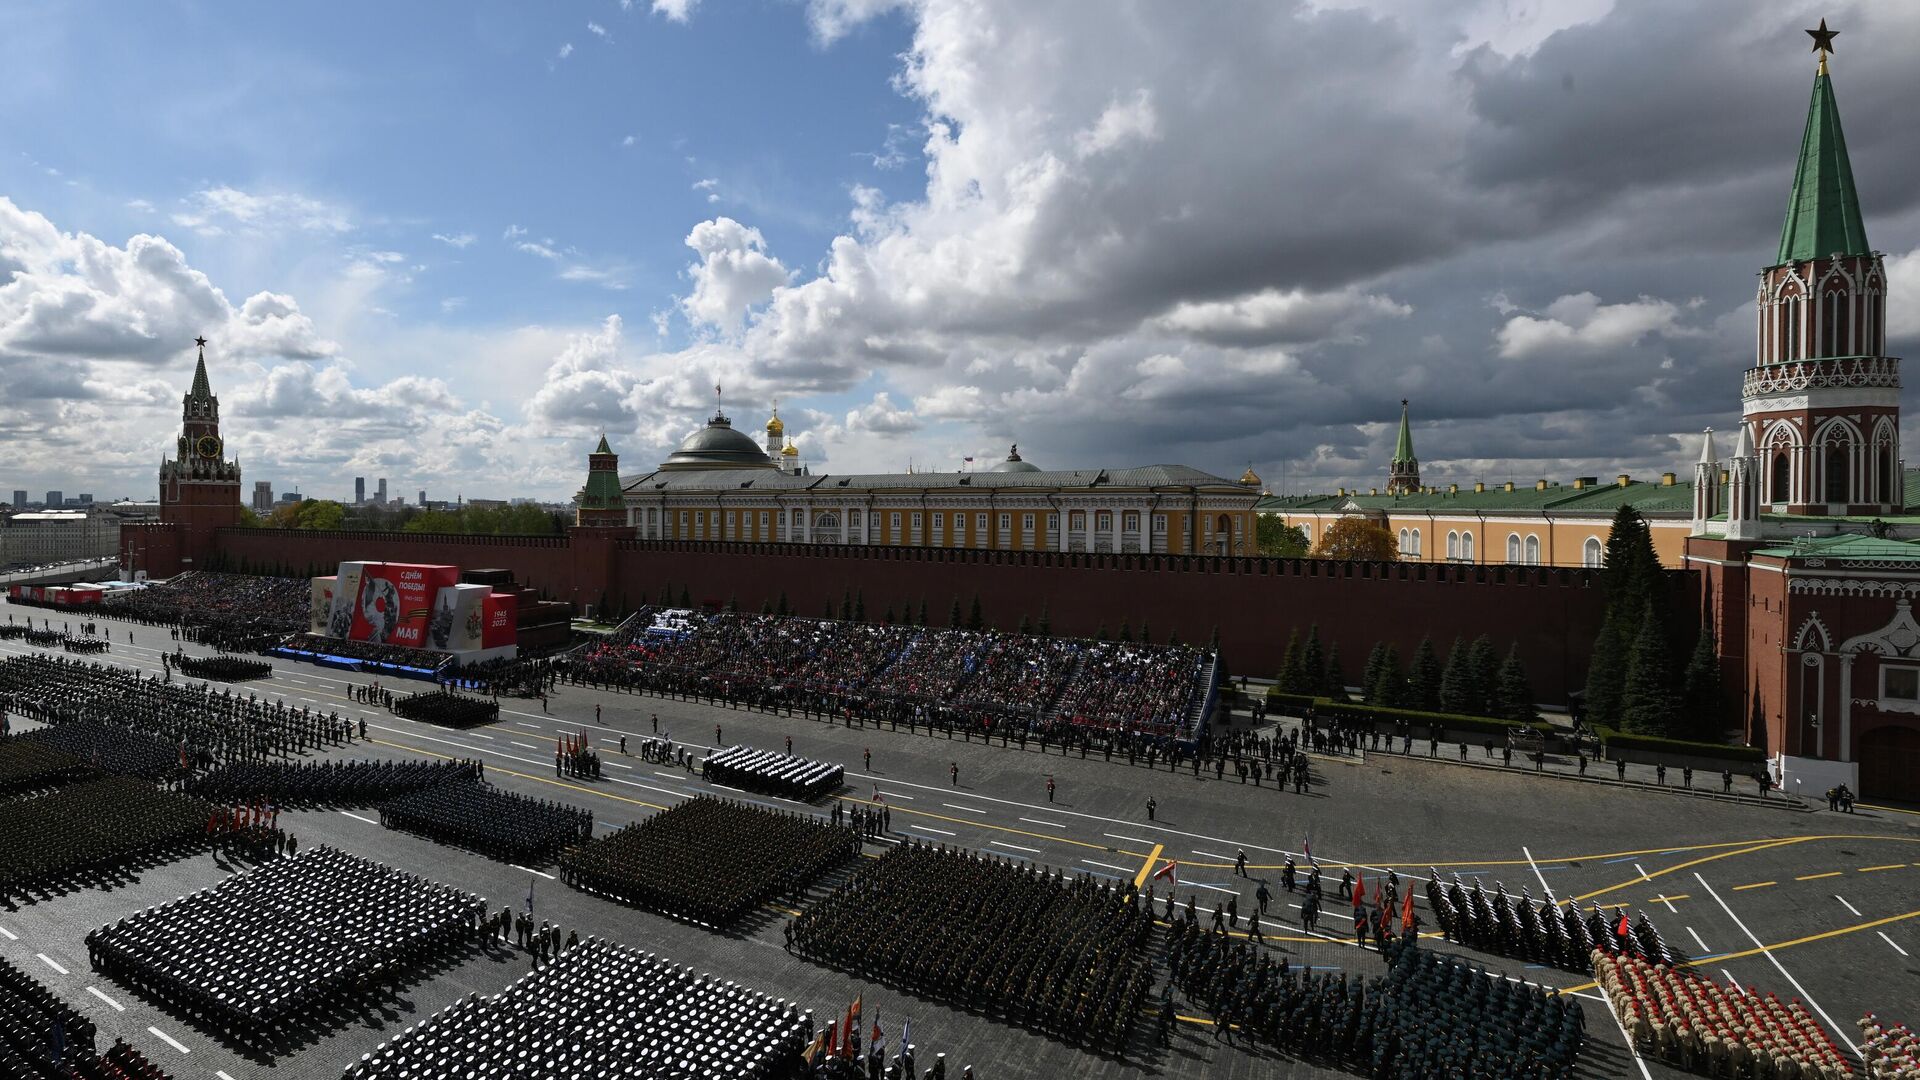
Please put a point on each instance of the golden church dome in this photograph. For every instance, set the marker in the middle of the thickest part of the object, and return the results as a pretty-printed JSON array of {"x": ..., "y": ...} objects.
[
  {"x": 789, "y": 450},
  {"x": 774, "y": 426},
  {"x": 1250, "y": 478}
]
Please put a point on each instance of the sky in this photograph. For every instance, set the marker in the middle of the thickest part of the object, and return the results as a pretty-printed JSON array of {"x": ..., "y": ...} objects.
[{"x": 452, "y": 244}]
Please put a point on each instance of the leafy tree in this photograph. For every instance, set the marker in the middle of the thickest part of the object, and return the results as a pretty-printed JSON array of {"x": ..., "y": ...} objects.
[
  {"x": 319, "y": 514},
  {"x": 975, "y": 620},
  {"x": 1648, "y": 704},
  {"x": 250, "y": 520},
  {"x": 1703, "y": 706},
  {"x": 1274, "y": 537},
  {"x": 1423, "y": 681},
  {"x": 1313, "y": 663},
  {"x": 1454, "y": 696},
  {"x": 1289, "y": 674},
  {"x": 1515, "y": 692},
  {"x": 1357, "y": 538}
]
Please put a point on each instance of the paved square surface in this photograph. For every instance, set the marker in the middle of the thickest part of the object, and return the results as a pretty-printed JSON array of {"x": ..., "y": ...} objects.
[{"x": 1820, "y": 906}]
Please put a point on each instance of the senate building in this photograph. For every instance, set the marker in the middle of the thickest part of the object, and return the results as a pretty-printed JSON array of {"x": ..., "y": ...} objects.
[{"x": 721, "y": 485}]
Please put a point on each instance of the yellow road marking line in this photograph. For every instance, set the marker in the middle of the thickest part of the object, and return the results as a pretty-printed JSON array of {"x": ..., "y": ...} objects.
[
  {"x": 1691, "y": 863},
  {"x": 1889, "y": 866},
  {"x": 1755, "y": 885},
  {"x": 1140, "y": 878},
  {"x": 1889, "y": 809},
  {"x": 1670, "y": 899},
  {"x": 1809, "y": 939},
  {"x": 1817, "y": 877}
]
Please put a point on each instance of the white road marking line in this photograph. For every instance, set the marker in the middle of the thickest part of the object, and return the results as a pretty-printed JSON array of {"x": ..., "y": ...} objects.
[
  {"x": 1645, "y": 1073},
  {"x": 1731, "y": 981},
  {"x": 50, "y": 962},
  {"x": 95, "y": 991},
  {"x": 1048, "y": 824},
  {"x": 1016, "y": 847},
  {"x": 618, "y": 765},
  {"x": 308, "y": 699},
  {"x": 357, "y": 817},
  {"x": 1643, "y": 873},
  {"x": 1849, "y": 907},
  {"x": 8, "y": 934},
  {"x": 1704, "y": 951},
  {"x": 896, "y": 795},
  {"x": 528, "y": 746},
  {"x": 524, "y": 724},
  {"x": 1778, "y": 966},
  {"x": 1110, "y": 866},
  {"x": 531, "y": 870},
  {"x": 1215, "y": 888},
  {"x": 924, "y": 828},
  {"x": 669, "y": 775},
  {"x": 1548, "y": 889},
  {"x": 169, "y": 1040},
  {"x": 968, "y": 809},
  {"x": 1890, "y": 941},
  {"x": 477, "y": 735},
  {"x": 1213, "y": 855},
  {"x": 1131, "y": 839},
  {"x": 221, "y": 1075}
]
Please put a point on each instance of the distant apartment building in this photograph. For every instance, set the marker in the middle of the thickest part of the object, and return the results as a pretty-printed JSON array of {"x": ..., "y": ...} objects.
[
  {"x": 423, "y": 496},
  {"x": 262, "y": 496},
  {"x": 20, "y": 499},
  {"x": 359, "y": 490},
  {"x": 59, "y": 535},
  {"x": 380, "y": 492},
  {"x": 55, "y": 500}
]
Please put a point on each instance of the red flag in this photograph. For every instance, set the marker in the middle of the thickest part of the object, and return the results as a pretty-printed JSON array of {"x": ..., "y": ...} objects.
[
  {"x": 833, "y": 1043},
  {"x": 853, "y": 1025},
  {"x": 1360, "y": 890},
  {"x": 1624, "y": 925},
  {"x": 1171, "y": 871},
  {"x": 1406, "y": 912}
]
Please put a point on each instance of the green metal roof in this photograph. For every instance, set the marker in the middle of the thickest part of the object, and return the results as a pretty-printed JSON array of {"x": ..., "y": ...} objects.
[
  {"x": 1823, "y": 212},
  {"x": 1850, "y": 546},
  {"x": 201, "y": 389},
  {"x": 1403, "y": 449},
  {"x": 603, "y": 448},
  {"x": 1599, "y": 499}
]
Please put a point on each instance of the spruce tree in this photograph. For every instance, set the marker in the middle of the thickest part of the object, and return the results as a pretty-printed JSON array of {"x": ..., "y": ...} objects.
[
  {"x": 1515, "y": 692},
  {"x": 1045, "y": 626},
  {"x": 953, "y": 617},
  {"x": 686, "y": 598},
  {"x": 1454, "y": 678},
  {"x": 1288, "y": 677},
  {"x": 975, "y": 620},
  {"x": 1703, "y": 708},
  {"x": 889, "y": 615},
  {"x": 1483, "y": 676},
  {"x": 1126, "y": 630},
  {"x": 781, "y": 609},
  {"x": 1313, "y": 664},
  {"x": 1389, "y": 691},
  {"x": 1146, "y": 633},
  {"x": 923, "y": 611},
  {"x": 1423, "y": 681},
  {"x": 860, "y": 606},
  {"x": 1648, "y": 704},
  {"x": 1026, "y": 626},
  {"x": 1101, "y": 634},
  {"x": 766, "y": 607},
  {"x": 846, "y": 605},
  {"x": 1370, "y": 675},
  {"x": 733, "y": 602},
  {"x": 1633, "y": 584},
  {"x": 1334, "y": 681}
]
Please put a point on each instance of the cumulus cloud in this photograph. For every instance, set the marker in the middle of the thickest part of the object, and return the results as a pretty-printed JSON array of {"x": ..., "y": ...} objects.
[
  {"x": 1580, "y": 325},
  {"x": 455, "y": 240},
  {"x": 882, "y": 416},
  {"x": 734, "y": 273},
  {"x": 1274, "y": 316},
  {"x": 583, "y": 386},
  {"x": 675, "y": 10}
]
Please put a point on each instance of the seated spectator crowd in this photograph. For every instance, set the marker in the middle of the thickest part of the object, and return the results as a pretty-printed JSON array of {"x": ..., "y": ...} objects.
[
  {"x": 268, "y": 947},
  {"x": 708, "y": 860},
  {"x": 987, "y": 679},
  {"x": 238, "y": 612}
]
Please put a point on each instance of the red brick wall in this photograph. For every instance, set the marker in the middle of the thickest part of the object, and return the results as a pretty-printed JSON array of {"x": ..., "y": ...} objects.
[{"x": 1553, "y": 614}]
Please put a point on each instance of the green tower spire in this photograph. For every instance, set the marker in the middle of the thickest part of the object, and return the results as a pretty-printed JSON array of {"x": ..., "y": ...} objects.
[
  {"x": 1403, "y": 449},
  {"x": 201, "y": 388},
  {"x": 1823, "y": 213}
]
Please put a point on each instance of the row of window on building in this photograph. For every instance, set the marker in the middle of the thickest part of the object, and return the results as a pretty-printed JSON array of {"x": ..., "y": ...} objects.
[
  {"x": 929, "y": 528},
  {"x": 1521, "y": 550}
]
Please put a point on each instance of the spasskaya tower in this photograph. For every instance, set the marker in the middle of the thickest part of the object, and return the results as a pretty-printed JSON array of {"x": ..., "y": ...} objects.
[{"x": 199, "y": 487}]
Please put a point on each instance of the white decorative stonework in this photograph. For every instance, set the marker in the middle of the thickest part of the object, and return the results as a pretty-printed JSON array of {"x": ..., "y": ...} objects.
[{"x": 1845, "y": 373}]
